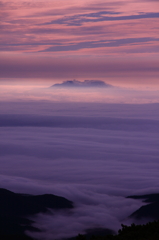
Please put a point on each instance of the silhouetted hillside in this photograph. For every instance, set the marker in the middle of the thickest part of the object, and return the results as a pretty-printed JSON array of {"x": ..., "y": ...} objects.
[
  {"x": 149, "y": 231},
  {"x": 151, "y": 210},
  {"x": 14, "y": 209}
]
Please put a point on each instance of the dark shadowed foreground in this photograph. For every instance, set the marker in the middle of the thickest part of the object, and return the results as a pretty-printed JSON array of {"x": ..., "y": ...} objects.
[
  {"x": 15, "y": 210},
  {"x": 149, "y": 231},
  {"x": 150, "y": 210}
]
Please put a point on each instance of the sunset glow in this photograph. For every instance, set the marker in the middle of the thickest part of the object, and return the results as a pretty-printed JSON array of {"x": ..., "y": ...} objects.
[{"x": 80, "y": 39}]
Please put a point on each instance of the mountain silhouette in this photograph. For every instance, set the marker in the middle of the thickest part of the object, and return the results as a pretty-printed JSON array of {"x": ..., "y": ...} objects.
[
  {"x": 85, "y": 83},
  {"x": 149, "y": 211},
  {"x": 15, "y": 209}
]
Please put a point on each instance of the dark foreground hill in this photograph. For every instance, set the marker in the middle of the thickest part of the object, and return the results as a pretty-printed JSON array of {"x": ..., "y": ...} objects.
[
  {"x": 16, "y": 208},
  {"x": 149, "y": 231},
  {"x": 150, "y": 210}
]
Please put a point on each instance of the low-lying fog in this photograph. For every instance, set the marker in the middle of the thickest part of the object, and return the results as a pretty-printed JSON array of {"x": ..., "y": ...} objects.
[{"x": 78, "y": 91}]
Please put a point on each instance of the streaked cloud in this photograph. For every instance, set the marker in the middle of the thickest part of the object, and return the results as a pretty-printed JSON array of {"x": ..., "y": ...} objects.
[
  {"x": 101, "y": 44},
  {"x": 78, "y": 20}
]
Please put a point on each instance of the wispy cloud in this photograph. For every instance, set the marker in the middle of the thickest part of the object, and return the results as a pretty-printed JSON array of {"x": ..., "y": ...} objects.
[
  {"x": 100, "y": 44},
  {"x": 78, "y": 20}
]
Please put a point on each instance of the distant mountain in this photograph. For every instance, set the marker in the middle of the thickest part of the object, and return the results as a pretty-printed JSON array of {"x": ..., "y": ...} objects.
[
  {"x": 151, "y": 210},
  {"x": 85, "y": 83},
  {"x": 14, "y": 209}
]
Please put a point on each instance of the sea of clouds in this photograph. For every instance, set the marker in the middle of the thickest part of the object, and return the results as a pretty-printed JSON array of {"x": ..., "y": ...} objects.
[{"x": 93, "y": 154}]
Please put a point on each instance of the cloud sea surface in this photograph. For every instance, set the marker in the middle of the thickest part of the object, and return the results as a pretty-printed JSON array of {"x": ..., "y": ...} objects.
[{"x": 93, "y": 154}]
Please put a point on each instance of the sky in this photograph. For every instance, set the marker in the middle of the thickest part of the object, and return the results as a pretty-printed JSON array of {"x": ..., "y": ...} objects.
[{"x": 51, "y": 41}]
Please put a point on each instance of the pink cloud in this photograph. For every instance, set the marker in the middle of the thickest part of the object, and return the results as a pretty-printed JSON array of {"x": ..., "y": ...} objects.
[{"x": 85, "y": 39}]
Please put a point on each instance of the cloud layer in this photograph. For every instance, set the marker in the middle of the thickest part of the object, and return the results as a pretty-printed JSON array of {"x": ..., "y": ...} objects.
[{"x": 92, "y": 154}]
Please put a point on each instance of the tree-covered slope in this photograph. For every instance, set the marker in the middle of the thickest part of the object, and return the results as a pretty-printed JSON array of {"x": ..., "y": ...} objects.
[{"x": 149, "y": 231}]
